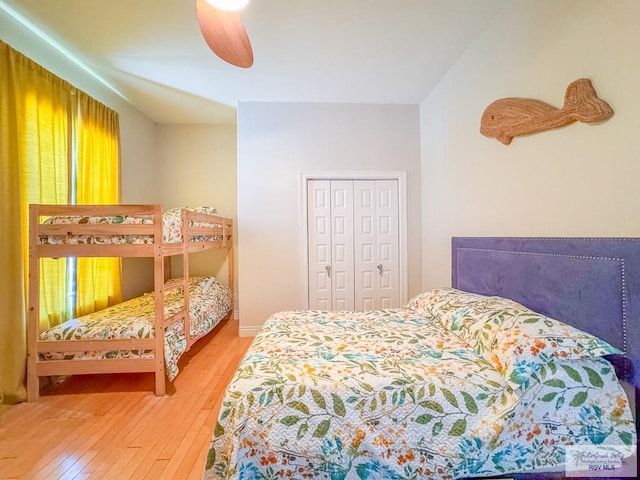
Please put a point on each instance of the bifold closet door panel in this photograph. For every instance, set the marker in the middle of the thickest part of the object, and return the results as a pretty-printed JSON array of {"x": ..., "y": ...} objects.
[
  {"x": 342, "y": 274},
  {"x": 319, "y": 244},
  {"x": 376, "y": 244},
  {"x": 330, "y": 244},
  {"x": 388, "y": 243},
  {"x": 365, "y": 245}
]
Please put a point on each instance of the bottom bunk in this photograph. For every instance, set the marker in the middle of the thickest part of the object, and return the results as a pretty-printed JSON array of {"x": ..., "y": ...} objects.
[{"x": 132, "y": 323}]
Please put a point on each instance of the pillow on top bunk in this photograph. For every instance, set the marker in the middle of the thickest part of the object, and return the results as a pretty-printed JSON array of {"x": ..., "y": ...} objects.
[
  {"x": 514, "y": 339},
  {"x": 178, "y": 210}
]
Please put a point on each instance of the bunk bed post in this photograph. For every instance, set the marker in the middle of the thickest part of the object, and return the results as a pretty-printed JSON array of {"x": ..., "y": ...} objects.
[
  {"x": 33, "y": 320},
  {"x": 167, "y": 269},
  {"x": 158, "y": 289},
  {"x": 186, "y": 238},
  {"x": 228, "y": 227}
]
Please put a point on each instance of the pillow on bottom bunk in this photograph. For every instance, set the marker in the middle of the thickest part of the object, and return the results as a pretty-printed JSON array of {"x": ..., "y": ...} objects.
[{"x": 516, "y": 340}]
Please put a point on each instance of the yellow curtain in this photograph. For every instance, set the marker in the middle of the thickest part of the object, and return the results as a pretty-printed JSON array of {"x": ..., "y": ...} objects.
[
  {"x": 98, "y": 180},
  {"x": 39, "y": 113},
  {"x": 34, "y": 107}
]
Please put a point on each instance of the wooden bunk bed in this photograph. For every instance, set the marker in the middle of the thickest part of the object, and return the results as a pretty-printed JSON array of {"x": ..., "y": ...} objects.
[{"x": 140, "y": 235}]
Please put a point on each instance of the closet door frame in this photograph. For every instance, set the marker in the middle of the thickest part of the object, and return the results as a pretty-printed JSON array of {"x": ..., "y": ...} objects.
[{"x": 399, "y": 176}]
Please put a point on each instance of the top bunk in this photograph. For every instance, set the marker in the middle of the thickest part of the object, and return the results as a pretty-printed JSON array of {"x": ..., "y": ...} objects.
[{"x": 125, "y": 230}]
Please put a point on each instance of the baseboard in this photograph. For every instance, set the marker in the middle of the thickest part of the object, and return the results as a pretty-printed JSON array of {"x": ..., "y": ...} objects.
[{"x": 248, "y": 331}]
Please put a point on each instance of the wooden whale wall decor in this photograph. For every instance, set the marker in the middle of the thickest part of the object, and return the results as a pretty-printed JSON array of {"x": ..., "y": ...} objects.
[{"x": 512, "y": 117}]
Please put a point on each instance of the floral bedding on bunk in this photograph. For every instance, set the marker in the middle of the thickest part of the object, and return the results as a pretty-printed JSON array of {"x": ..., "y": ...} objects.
[
  {"x": 209, "y": 302},
  {"x": 416, "y": 393},
  {"x": 171, "y": 228}
]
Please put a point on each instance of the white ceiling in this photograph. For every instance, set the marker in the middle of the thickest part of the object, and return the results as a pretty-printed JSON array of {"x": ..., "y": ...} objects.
[{"x": 344, "y": 51}]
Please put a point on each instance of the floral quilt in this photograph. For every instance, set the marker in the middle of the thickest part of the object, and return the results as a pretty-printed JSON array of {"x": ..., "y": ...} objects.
[
  {"x": 209, "y": 302},
  {"x": 392, "y": 394},
  {"x": 171, "y": 228}
]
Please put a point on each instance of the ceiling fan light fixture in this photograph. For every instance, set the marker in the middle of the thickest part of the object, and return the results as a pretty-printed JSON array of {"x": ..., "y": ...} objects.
[
  {"x": 224, "y": 33},
  {"x": 228, "y": 5}
]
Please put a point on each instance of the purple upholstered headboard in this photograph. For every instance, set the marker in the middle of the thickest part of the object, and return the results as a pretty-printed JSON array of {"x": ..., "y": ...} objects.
[{"x": 590, "y": 283}]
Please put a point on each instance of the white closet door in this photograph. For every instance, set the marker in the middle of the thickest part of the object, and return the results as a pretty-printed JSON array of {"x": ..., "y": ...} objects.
[
  {"x": 342, "y": 287},
  {"x": 353, "y": 244},
  {"x": 319, "y": 241},
  {"x": 365, "y": 244},
  {"x": 388, "y": 241},
  {"x": 376, "y": 241}
]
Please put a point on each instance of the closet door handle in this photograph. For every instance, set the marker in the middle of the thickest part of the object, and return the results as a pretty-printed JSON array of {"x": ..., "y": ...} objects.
[
  {"x": 328, "y": 269},
  {"x": 380, "y": 268}
]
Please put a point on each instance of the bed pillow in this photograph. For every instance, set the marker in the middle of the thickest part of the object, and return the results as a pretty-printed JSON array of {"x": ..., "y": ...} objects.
[
  {"x": 514, "y": 339},
  {"x": 205, "y": 286},
  {"x": 201, "y": 284},
  {"x": 442, "y": 303},
  {"x": 177, "y": 211}
]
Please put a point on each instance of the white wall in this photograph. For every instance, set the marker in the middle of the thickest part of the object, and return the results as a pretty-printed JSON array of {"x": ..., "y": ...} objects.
[
  {"x": 278, "y": 141},
  {"x": 581, "y": 180},
  {"x": 138, "y": 181},
  {"x": 196, "y": 166}
]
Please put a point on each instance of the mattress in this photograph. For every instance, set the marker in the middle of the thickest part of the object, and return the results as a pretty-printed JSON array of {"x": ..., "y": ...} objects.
[
  {"x": 392, "y": 394},
  {"x": 209, "y": 302},
  {"x": 171, "y": 228}
]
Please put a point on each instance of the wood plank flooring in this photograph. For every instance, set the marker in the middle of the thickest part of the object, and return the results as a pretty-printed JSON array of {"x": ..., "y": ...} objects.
[{"x": 113, "y": 427}]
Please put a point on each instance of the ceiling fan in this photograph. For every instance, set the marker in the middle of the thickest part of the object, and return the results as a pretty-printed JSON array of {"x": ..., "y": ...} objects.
[{"x": 222, "y": 29}]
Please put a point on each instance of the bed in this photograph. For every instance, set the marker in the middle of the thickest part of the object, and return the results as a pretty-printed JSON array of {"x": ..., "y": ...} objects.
[
  {"x": 122, "y": 338},
  {"x": 470, "y": 381}
]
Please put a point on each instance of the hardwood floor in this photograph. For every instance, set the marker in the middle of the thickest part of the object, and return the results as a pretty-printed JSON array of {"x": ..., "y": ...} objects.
[{"x": 113, "y": 427}]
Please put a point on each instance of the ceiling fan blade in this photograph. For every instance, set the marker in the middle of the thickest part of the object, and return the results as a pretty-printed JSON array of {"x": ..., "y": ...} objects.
[{"x": 224, "y": 33}]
